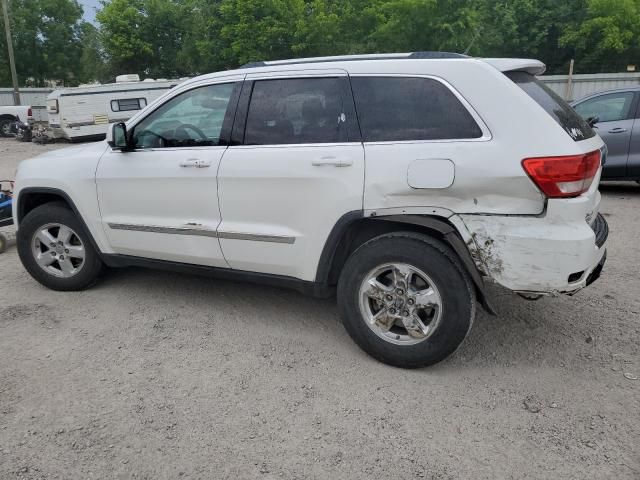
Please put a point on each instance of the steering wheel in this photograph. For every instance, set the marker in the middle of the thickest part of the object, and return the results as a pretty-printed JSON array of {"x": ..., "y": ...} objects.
[{"x": 189, "y": 126}]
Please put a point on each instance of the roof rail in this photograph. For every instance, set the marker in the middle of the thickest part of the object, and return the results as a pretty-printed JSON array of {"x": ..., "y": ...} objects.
[{"x": 349, "y": 58}]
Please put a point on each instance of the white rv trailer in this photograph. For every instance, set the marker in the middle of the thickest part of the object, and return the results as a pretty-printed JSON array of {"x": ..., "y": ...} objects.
[{"x": 84, "y": 113}]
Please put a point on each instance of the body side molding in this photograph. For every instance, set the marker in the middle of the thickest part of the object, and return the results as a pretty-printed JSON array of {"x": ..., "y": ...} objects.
[{"x": 203, "y": 232}]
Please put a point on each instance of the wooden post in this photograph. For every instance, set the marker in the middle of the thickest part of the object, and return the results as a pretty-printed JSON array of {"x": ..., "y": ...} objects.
[
  {"x": 12, "y": 63},
  {"x": 567, "y": 92}
]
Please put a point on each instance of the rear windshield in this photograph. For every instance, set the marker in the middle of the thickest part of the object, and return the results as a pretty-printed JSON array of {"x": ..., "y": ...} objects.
[{"x": 561, "y": 111}]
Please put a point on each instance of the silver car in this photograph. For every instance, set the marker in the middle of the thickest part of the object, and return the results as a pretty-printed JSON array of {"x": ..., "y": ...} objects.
[{"x": 616, "y": 114}]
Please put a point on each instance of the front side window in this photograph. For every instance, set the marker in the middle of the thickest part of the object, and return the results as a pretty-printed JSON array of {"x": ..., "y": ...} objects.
[
  {"x": 295, "y": 111},
  {"x": 192, "y": 119},
  {"x": 403, "y": 108},
  {"x": 128, "y": 104},
  {"x": 608, "y": 108}
]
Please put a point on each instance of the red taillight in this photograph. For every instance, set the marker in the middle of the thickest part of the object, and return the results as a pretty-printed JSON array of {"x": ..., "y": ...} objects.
[
  {"x": 29, "y": 112},
  {"x": 561, "y": 177}
]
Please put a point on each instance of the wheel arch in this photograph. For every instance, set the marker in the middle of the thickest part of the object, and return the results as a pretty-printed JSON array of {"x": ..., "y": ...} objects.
[
  {"x": 353, "y": 230},
  {"x": 30, "y": 198},
  {"x": 8, "y": 117}
]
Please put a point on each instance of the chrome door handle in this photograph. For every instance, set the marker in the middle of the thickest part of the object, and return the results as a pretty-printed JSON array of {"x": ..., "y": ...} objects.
[
  {"x": 195, "y": 163},
  {"x": 333, "y": 162},
  {"x": 618, "y": 130}
]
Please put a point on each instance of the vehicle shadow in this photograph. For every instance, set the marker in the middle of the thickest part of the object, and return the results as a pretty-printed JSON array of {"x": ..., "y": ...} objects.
[
  {"x": 620, "y": 188},
  {"x": 522, "y": 333}
]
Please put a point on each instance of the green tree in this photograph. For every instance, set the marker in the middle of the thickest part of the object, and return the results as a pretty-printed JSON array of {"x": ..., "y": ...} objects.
[
  {"x": 143, "y": 36},
  {"x": 418, "y": 25},
  {"x": 253, "y": 30},
  {"x": 93, "y": 66},
  {"x": 46, "y": 41},
  {"x": 529, "y": 29},
  {"x": 608, "y": 39}
]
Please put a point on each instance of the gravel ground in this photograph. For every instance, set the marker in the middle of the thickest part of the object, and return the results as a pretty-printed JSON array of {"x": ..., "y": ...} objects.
[{"x": 153, "y": 375}]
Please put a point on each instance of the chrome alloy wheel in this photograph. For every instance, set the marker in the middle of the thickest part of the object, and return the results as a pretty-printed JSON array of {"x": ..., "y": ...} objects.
[
  {"x": 400, "y": 303},
  {"x": 58, "y": 250}
]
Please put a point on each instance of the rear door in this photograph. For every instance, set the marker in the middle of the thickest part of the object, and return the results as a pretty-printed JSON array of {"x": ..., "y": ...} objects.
[
  {"x": 615, "y": 112},
  {"x": 297, "y": 167}
]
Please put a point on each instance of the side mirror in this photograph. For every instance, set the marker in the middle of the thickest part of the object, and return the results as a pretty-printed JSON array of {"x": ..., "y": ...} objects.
[
  {"x": 117, "y": 136},
  {"x": 592, "y": 121}
]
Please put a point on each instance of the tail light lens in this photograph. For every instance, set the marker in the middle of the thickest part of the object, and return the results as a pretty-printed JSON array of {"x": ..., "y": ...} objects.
[
  {"x": 562, "y": 177},
  {"x": 29, "y": 112}
]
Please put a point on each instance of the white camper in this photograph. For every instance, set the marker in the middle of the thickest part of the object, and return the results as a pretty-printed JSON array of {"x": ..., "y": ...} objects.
[{"x": 84, "y": 113}]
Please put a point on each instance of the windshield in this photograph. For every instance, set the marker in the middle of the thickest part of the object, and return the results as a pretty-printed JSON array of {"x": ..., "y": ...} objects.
[{"x": 561, "y": 111}]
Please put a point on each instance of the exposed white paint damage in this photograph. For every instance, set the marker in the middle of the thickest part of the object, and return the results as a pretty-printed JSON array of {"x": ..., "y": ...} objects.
[{"x": 538, "y": 253}]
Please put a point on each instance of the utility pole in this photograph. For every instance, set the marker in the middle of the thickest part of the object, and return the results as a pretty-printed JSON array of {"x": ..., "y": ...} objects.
[
  {"x": 12, "y": 63},
  {"x": 568, "y": 90}
]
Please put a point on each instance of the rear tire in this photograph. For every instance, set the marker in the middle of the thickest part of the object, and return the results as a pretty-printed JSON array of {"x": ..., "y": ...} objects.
[
  {"x": 5, "y": 127},
  {"x": 56, "y": 250},
  {"x": 421, "y": 281}
]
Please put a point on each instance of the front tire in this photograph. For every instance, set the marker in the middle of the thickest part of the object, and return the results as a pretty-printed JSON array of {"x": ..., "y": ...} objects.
[
  {"x": 56, "y": 250},
  {"x": 406, "y": 300}
]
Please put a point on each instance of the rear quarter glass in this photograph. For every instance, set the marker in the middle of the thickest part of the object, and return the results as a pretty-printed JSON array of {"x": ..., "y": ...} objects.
[{"x": 572, "y": 123}]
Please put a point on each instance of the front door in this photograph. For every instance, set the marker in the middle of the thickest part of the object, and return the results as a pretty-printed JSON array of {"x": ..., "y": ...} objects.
[
  {"x": 160, "y": 200},
  {"x": 299, "y": 167},
  {"x": 615, "y": 112}
]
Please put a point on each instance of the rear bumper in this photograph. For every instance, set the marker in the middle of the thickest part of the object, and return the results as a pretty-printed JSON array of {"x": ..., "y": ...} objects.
[
  {"x": 560, "y": 252},
  {"x": 595, "y": 274}
]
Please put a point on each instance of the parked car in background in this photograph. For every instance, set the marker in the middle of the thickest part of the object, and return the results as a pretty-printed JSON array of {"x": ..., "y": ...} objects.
[
  {"x": 615, "y": 115},
  {"x": 259, "y": 174},
  {"x": 9, "y": 115}
]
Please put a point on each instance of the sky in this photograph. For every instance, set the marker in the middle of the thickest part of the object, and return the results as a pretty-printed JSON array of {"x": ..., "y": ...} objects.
[{"x": 89, "y": 7}]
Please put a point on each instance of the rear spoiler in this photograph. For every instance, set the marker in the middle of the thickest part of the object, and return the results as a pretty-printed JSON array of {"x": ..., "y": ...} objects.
[{"x": 534, "y": 67}]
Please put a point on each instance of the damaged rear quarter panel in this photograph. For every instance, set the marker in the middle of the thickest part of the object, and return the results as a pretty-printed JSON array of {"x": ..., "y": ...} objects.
[{"x": 531, "y": 254}]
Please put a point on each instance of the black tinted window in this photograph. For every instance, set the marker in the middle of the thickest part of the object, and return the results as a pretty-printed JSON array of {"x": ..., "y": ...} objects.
[
  {"x": 560, "y": 111},
  {"x": 392, "y": 109},
  {"x": 127, "y": 104},
  {"x": 292, "y": 111}
]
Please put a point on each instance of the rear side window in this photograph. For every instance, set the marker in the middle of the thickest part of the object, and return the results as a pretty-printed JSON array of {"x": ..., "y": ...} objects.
[
  {"x": 399, "y": 108},
  {"x": 560, "y": 111},
  {"x": 295, "y": 111}
]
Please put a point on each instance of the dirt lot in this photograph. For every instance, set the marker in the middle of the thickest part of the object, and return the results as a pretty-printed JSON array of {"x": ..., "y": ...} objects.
[{"x": 154, "y": 375}]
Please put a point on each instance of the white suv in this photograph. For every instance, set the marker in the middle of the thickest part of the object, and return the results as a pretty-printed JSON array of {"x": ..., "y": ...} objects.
[{"x": 400, "y": 181}]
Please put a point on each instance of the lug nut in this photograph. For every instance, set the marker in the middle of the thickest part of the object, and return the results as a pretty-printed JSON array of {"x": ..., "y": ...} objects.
[
  {"x": 400, "y": 291},
  {"x": 53, "y": 253},
  {"x": 392, "y": 311},
  {"x": 389, "y": 297},
  {"x": 405, "y": 313},
  {"x": 66, "y": 250},
  {"x": 411, "y": 301},
  {"x": 61, "y": 257}
]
